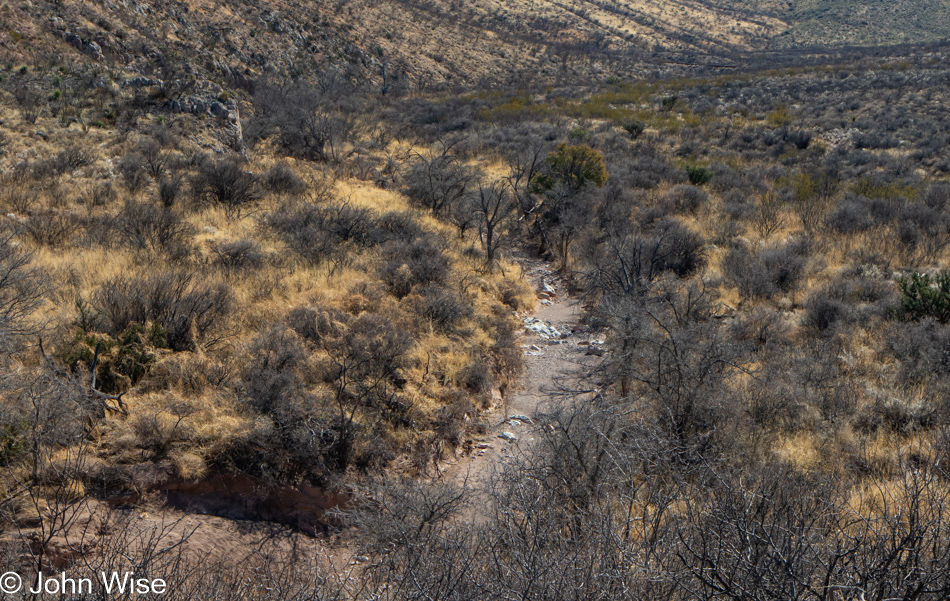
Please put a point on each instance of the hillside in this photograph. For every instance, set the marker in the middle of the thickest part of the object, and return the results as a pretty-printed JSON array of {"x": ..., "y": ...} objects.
[
  {"x": 865, "y": 23},
  {"x": 399, "y": 44},
  {"x": 396, "y": 44}
]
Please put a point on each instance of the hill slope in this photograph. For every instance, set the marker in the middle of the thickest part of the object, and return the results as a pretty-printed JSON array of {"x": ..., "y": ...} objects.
[
  {"x": 418, "y": 43},
  {"x": 866, "y": 22}
]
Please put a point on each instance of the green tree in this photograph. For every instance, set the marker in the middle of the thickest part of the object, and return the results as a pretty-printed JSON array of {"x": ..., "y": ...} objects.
[
  {"x": 565, "y": 181},
  {"x": 573, "y": 167}
]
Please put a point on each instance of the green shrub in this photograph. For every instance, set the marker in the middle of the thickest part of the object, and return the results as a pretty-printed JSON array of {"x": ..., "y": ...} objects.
[
  {"x": 578, "y": 134},
  {"x": 634, "y": 128},
  {"x": 698, "y": 175},
  {"x": 926, "y": 296}
]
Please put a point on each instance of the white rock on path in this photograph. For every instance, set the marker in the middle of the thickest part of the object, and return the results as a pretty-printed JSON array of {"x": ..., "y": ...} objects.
[{"x": 543, "y": 329}]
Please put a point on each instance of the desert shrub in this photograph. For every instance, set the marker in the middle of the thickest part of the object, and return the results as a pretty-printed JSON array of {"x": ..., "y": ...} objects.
[
  {"x": 725, "y": 179},
  {"x": 505, "y": 355},
  {"x": 364, "y": 296},
  {"x": 931, "y": 221},
  {"x": 922, "y": 349},
  {"x": 798, "y": 138},
  {"x": 736, "y": 205},
  {"x": 303, "y": 320},
  {"x": 302, "y": 431},
  {"x": 375, "y": 451},
  {"x": 875, "y": 140},
  {"x": 144, "y": 226},
  {"x": 228, "y": 184},
  {"x": 678, "y": 248},
  {"x": 29, "y": 102},
  {"x": 50, "y": 229},
  {"x": 239, "y": 254},
  {"x": 850, "y": 217},
  {"x": 763, "y": 326},
  {"x": 923, "y": 231},
  {"x": 363, "y": 366},
  {"x": 315, "y": 325},
  {"x": 908, "y": 234},
  {"x": 71, "y": 158},
  {"x": 416, "y": 263},
  {"x": 769, "y": 217},
  {"x": 440, "y": 307},
  {"x": 476, "y": 378},
  {"x": 647, "y": 172},
  {"x": 517, "y": 295},
  {"x": 627, "y": 263},
  {"x": 937, "y": 195},
  {"x": 132, "y": 170},
  {"x": 395, "y": 226},
  {"x": 189, "y": 373},
  {"x": 863, "y": 297},
  {"x": 169, "y": 189},
  {"x": 269, "y": 374},
  {"x": 99, "y": 229},
  {"x": 773, "y": 270},
  {"x": 163, "y": 134},
  {"x": 823, "y": 312},
  {"x": 187, "y": 313},
  {"x": 785, "y": 264},
  {"x": 154, "y": 435},
  {"x": 281, "y": 179},
  {"x": 154, "y": 158},
  {"x": 324, "y": 235},
  {"x": 312, "y": 122},
  {"x": 895, "y": 415},
  {"x": 101, "y": 195},
  {"x": 20, "y": 199},
  {"x": 450, "y": 420},
  {"x": 686, "y": 199}
]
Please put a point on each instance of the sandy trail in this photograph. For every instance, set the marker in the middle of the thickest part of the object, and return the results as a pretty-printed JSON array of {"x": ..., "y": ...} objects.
[{"x": 556, "y": 348}]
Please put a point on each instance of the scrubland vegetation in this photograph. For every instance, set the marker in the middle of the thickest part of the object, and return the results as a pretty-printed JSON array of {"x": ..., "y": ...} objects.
[{"x": 310, "y": 288}]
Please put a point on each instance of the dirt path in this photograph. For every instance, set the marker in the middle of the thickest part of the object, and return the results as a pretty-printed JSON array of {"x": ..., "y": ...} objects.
[{"x": 556, "y": 347}]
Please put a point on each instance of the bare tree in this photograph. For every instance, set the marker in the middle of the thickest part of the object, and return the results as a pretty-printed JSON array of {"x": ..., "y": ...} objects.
[
  {"x": 493, "y": 203},
  {"x": 22, "y": 289},
  {"x": 440, "y": 180},
  {"x": 47, "y": 473},
  {"x": 29, "y": 103},
  {"x": 314, "y": 122}
]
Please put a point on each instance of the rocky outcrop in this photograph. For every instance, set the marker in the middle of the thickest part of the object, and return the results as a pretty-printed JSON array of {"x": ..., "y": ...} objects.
[
  {"x": 226, "y": 113},
  {"x": 81, "y": 41}
]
